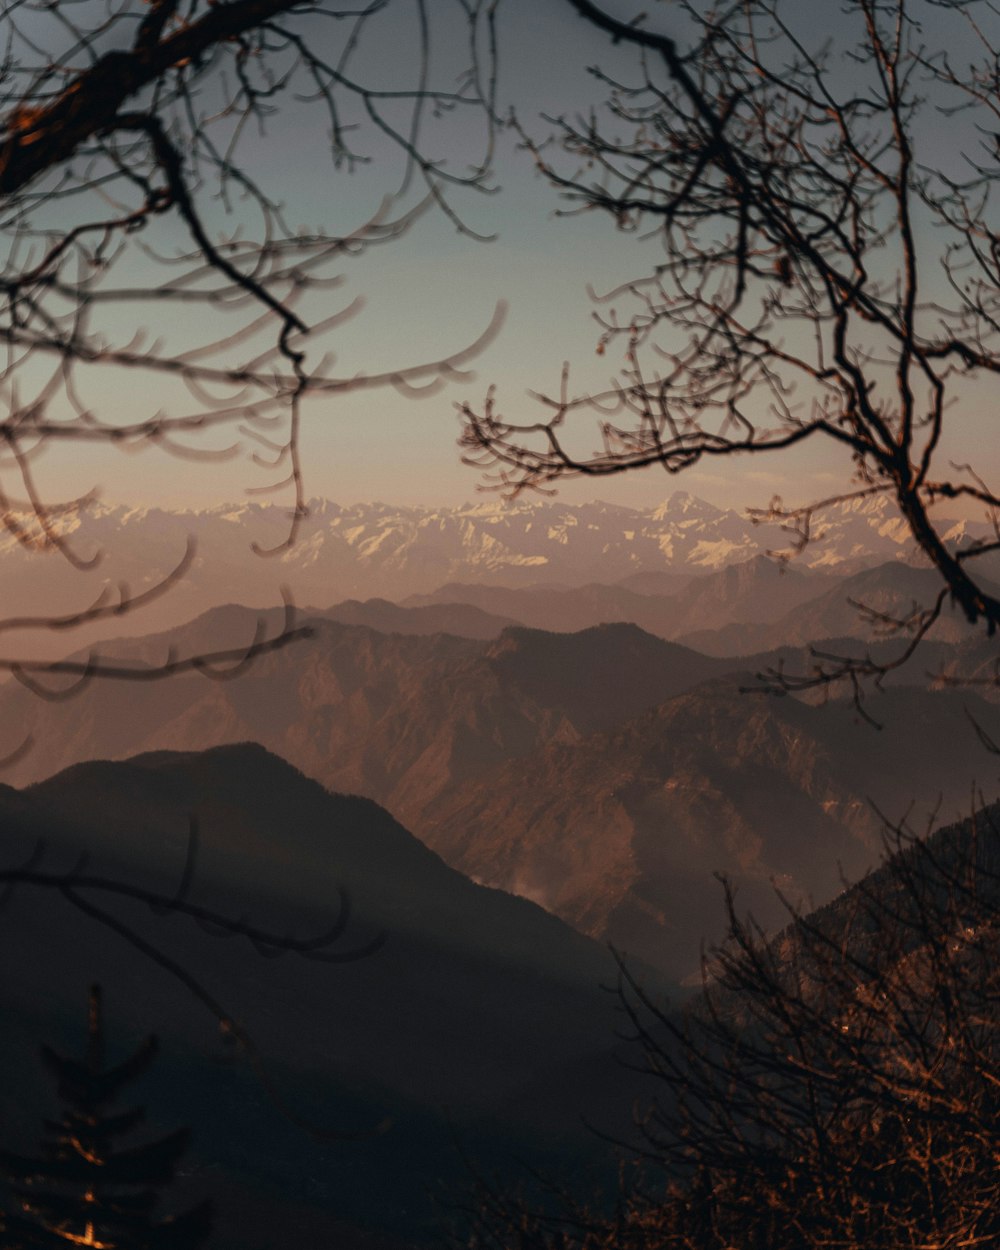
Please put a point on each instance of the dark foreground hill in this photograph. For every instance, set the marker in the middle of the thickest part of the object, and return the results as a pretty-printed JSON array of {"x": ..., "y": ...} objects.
[
  {"x": 479, "y": 1022},
  {"x": 952, "y": 870}
]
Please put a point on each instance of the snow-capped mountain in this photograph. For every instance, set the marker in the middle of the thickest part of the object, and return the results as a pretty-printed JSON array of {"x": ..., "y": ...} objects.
[{"x": 375, "y": 549}]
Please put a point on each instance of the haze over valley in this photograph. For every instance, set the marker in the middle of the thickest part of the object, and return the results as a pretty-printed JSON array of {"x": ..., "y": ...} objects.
[
  {"x": 416, "y": 556},
  {"x": 572, "y": 741}
]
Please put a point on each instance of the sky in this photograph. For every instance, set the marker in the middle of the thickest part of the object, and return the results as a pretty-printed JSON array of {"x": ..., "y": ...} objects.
[{"x": 431, "y": 293}]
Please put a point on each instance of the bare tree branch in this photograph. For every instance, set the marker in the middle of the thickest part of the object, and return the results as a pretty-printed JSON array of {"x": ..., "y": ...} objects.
[{"x": 824, "y": 277}]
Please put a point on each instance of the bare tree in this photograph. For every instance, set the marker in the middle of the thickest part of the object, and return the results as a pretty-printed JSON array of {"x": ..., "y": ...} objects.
[
  {"x": 835, "y": 1086},
  {"x": 825, "y": 195},
  {"x": 131, "y": 195}
]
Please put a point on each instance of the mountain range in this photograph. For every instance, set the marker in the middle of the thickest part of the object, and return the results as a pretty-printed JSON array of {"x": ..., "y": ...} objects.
[
  {"x": 512, "y": 735},
  {"x": 506, "y": 766},
  {"x": 377, "y": 550},
  {"x": 744, "y": 608},
  {"x": 607, "y": 773},
  {"x": 758, "y": 590}
]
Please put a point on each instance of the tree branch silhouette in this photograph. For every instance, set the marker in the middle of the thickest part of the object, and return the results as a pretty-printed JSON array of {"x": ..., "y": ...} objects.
[
  {"x": 828, "y": 274},
  {"x": 129, "y": 187}
]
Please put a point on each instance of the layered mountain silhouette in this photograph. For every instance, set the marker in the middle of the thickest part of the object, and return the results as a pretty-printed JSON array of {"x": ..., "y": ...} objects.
[
  {"x": 375, "y": 549},
  {"x": 396, "y": 717},
  {"x": 607, "y": 774},
  {"x": 480, "y": 1020},
  {"x": 757, "y": 590},
  {"x": 861, "y": 606},
  {"x": 746, "y": 608}
]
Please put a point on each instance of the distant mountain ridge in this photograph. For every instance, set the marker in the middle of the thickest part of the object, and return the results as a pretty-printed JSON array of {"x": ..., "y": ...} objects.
[
  {"x": 893, "y": 590},
  {"x": 378, "y": 550},
  {"x": 743, "y": 609},
  {"x": 757, "y": 590}
]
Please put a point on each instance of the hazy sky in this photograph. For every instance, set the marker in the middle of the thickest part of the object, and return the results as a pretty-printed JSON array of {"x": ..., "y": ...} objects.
[{"x": 434, "y": 291}]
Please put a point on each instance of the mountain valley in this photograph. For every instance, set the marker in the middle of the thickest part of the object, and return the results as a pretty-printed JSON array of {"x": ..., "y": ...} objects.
[
  {"x": 507, "y": 766},
  {"x": 606, "y": 773}
]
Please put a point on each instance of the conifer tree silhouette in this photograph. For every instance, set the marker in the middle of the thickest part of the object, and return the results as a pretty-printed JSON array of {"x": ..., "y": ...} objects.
[{"x": 83, "y": 1190}]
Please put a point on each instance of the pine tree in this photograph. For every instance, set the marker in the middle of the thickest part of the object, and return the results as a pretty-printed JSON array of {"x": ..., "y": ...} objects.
[{"x": 84, "y": 1190}]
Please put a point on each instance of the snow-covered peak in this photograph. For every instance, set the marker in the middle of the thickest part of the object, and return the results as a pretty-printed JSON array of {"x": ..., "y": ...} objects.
[
  {"x": 362, "y": 550},
  {"x": 683, "y": 504}
]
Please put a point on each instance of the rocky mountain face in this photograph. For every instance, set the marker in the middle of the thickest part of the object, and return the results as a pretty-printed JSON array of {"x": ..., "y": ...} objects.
[
  {"x": 395, "y": 717},
  {"x": 377, "y": 550},
  {"x": 478, "y": 1024},
  {"x": 622, "y": 833}
]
